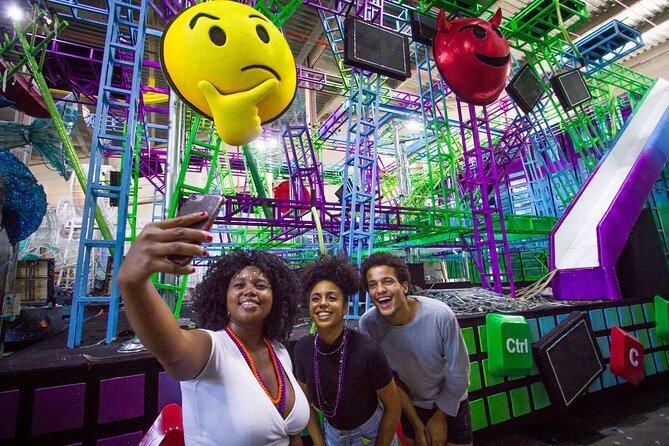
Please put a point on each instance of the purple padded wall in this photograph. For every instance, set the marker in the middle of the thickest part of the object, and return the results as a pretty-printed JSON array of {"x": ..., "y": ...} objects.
[
  {"x": 58, "y": 408},
  {"x": 131, "y": 439},
  {"x": 9, "y": 403},
  {"x": 121, "y": 398},
  {"x": 169, "y": 390}
]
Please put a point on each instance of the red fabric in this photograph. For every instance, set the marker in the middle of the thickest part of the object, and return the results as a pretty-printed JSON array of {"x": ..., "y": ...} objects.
[
  {"x": 25, "y": 96},
  {"x": 282, "y": 192}
]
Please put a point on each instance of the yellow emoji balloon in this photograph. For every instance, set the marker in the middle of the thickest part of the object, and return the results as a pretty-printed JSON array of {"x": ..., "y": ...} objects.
[{"x": 230, "y": 63}]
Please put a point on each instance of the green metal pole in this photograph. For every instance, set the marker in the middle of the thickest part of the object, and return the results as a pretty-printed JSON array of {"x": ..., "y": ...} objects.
[
  {"x": 257, "y": 181},
  {"x": 60, "y": 128}
]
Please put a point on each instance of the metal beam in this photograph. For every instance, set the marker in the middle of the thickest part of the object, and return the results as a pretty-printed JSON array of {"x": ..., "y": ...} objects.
[
  {"x": 603, "y": 17},
  {"x": 309, "y": 45},
  {"x": 643, "y": 57},
  {"x": 659, "y": 19}
]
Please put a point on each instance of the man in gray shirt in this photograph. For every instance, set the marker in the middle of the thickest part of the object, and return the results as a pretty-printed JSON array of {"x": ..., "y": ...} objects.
[{"x": 424, "y": 345}]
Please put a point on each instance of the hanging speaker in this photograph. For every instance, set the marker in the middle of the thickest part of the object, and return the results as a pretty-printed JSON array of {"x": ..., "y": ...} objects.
[
  {"x": 376, "y": 49},
  {"x": 422, "y": 27},
  {"x": 525, "y": 89},
  {"x": 569, "y": 359},
  {"x": 339, "y": 193},
  {"x": 570, "y": 89}
]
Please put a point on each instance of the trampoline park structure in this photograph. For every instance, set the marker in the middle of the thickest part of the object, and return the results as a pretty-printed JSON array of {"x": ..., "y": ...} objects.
[{"x": 495, "y": 181}]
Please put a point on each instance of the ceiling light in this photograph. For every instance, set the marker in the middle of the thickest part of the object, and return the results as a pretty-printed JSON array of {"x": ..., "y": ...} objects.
[
  {"x": 413, "y": 126},
  {"x": 265, "y": 144},
  {"x": 14, "y": 13}
]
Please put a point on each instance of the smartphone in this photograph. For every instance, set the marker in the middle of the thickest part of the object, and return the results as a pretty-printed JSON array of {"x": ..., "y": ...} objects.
[{"x": 196, "y": 203}]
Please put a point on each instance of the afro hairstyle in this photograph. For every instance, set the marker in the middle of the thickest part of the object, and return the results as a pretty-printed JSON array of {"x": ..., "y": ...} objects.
[
  {"x": 337, "y": 270},
  {"x": 210, "y": 295}
]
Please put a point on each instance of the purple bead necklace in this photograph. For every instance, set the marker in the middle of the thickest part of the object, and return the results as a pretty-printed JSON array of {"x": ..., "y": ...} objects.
[{"x": 330, "y": 412}]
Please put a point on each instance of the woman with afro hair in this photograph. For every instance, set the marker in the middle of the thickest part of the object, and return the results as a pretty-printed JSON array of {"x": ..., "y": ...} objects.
[
  {"x": 344, "y": 373},
  {"x": 236, "y": 378}
]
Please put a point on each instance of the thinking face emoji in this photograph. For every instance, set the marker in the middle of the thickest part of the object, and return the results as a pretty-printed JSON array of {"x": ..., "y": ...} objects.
[{"x": 230, "y": 63}]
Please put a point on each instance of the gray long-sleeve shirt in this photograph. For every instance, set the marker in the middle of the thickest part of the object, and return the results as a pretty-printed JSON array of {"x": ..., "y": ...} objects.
[{"x": 428, "y": 354}]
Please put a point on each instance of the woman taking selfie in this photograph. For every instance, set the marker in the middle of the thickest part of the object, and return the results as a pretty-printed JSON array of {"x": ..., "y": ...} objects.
[{"x": 236, "y": 381}]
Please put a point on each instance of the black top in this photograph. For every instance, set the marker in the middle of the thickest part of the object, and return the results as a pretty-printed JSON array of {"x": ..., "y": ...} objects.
[{"x": 367, "y": 370}]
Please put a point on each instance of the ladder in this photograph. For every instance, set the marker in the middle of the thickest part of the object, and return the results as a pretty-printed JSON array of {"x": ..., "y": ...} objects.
[
  {"x": 124, "y": 47},
  {"x": 206, "y": 154},
  {"x": 360, "y": 167}
]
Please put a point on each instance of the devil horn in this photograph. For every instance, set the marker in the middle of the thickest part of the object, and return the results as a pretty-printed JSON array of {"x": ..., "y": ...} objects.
[
  {"x": 497, "y": 18},
  {"x": 443, "y": 25}
]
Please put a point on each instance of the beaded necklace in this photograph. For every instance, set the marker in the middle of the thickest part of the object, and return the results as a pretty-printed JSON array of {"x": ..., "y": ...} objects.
[
  {"x": 280, "y": 400},
  {"x": 331, "y": 411}
]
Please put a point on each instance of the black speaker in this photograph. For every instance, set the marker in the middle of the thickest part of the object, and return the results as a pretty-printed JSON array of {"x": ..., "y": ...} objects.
[
  {"x": 525, "y": 89},
  {"x": 376, "y": 49},
  {"x": 642, "y": 268},
  {"x": 339, "y": 193},
  {"x": 569, "y": 359},
  {"x": 423, "y": 28},
  {"x": 114, "y": 180},
  {"x": 417, "y": 271},
  {"x": 570, "y": 89}
]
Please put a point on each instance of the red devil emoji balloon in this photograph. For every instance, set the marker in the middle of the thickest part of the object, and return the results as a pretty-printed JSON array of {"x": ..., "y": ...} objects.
[{"x": 473, "y": 57}]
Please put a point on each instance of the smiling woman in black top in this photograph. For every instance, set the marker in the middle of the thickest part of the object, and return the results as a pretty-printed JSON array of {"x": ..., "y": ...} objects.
[{"x": 343, "y": 373}]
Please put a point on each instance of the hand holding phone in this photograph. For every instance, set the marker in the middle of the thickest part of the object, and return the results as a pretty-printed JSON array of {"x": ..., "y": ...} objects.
[{"x": 196, "y": 203}]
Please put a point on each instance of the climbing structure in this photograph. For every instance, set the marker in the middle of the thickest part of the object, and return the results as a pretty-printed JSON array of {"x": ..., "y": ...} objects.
[
  {"x": 479, "y": 189},
  {"x": 115, "y": 131}
]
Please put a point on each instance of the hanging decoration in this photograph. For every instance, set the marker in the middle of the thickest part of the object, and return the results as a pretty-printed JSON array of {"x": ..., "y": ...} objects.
[
  {"x": 42, "y": 135},
  {"x": 473, "y": 57},
  {"x": 24, "y": 203},
  {"x": 230, "y": 63},
  {"x": 23, "y": 93}
]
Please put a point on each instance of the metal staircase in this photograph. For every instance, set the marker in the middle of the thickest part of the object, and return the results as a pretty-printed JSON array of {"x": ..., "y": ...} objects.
[{"x": 206, "y": 155}]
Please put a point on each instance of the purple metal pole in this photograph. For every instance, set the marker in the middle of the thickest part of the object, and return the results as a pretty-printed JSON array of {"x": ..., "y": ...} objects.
[{"x": 480, "y": 185}]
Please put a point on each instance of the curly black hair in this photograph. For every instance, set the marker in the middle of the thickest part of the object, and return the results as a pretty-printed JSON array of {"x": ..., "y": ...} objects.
[
  {"x": 384, "y": 259},
  {"x": 335, "y": 269},
  {"x": 210, "y": 295}
]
